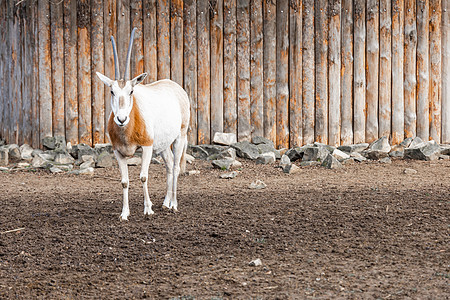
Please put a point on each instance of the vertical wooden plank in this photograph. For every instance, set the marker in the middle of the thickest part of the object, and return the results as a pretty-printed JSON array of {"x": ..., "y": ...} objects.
[
  {"x": 445, "y": 72},
  {"x": 7, "y": 120},
  {"x": 84, "y": 72},
  {"x": 347, "y": 73},
  {"x": 435, "y": 70},
  {"x": 256, "y": 68},
  {"x": 163, "y": 36},
  {"x": 270, "y": 64},
  {"x": 216, "y": 29},
  {"x": 110, "y": 29},
  {"x": 423, "y": 87},
  {"x": 372, "y": 66},
  {"x": 57, "y": 44},
  {"x": 229, "y": 67},
  {"x": 123, "y": 33},
  {"x": 190, "y": 63},
  {"x": 98, "y": 65},
  {"x": 27, "y": 73},
  {"x": 176, "y": 41},
  {"x": 295, "y": 74},
  {"x": 384, "y": 112},
  {"x": 282, "y": 74},
  {"x": 243, "y": 70},
  {"x": 15, "y": 73},
  {"x": 203, "y": 67},
  {"x": 308, "y": 70},
  {"x": 45, "y": 70},
  {"x": 410, "y": 68},
  {"x": 3, "y": 67},
  {"x": 35, "y": 105},
  {"x": 398, "y": 108},
  {"x": 137, "y": 54},
  {"x": 71, "y": 71},
  {"x": 359, "y": 83},
  {"x": 334, "y": 68},
  {"x": 150, "y": 41}
]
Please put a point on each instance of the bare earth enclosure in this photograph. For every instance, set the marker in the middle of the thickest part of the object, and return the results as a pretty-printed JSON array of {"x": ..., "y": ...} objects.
[{"x": 365, "y": 231}]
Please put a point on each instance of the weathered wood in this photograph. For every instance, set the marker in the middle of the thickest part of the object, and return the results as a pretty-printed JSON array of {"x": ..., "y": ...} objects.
[
  {"x": 203, "y": 72},
  {"x": 15, "y": 72},
  {"x": 163, "y": 38},
  {"x": 98, "y": 63},
  {"x": 347, "y": 73},
  {"x": 35, "y": 78},
  {"x": 256, "y": 68},
  {"x": 282, "y": 74},
  {"x": 176, "y": 41},
  {"x": 57, "y": 44},
  {"x": 359, "y": 79},
  {"x": 216, "y": 31},
  {"x": 3, "y": 67},
  {"x": 229, "y": 67},
  {"x": 435, "y": 70},
  {"x": 334, "y": 76},
  {"x": 84, "y": 72},
  {"x": 110, "y": 29},
  {"x": 410, "y": 68},
  {"x": 295, "y": 74},
  {"x": 243, "y": 70},
  {"x": 45, "y": 70},
  {"x": 137, "y": 53},
  {"x": 190, "y": 63},
  {"x": 150, "y": 41},
  {"x": 423, "y": 87},
  {"x": 398, "y": 107},
  {"x": 270, "y": 56},
  {"x": 372, "y": 66},
  {"x": 308, "y": 71},
  {"x": 445, "y": 72},
  {"x": 123, "y": 34},
  {"x": 27, "y": 73},
  {"x": 384, "y": 102}
]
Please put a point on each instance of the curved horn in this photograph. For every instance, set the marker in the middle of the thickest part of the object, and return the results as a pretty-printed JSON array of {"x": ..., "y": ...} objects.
[
  {"x": 116, "y": 60},
  {"x": 130, "y": 45}
]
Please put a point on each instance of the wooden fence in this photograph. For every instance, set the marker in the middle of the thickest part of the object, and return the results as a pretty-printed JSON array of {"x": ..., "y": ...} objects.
[{"x": 336, "y": 72}]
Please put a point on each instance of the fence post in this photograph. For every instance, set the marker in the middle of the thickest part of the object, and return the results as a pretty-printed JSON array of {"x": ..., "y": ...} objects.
[
  {"x": 347, "y": 73},
  {"x": 256, "y": 68},
  {"x": 384, "y": 112},
  {"x": 243, "y": 70},
  {"x": 435, "y": 70},
  {"x": 216, "y": 27},
  {"x": 308, "y": 71},
  {"x": 423, "y": 75},
  {"x": 372, "y": 55}
]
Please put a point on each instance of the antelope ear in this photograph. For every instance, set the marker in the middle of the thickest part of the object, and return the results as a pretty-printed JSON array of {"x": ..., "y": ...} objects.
[
  {"x": 105, "y": 79},
  {"x": 138, "y": 79}
]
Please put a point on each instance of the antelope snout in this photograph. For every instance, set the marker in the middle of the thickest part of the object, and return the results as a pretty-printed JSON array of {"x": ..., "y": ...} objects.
[{"x": 122, "y": 120}]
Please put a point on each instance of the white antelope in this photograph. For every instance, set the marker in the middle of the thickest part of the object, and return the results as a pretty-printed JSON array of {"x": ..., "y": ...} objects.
[{"x": 154, "y": 117}]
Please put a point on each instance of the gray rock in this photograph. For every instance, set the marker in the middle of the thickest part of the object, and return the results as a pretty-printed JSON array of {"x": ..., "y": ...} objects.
[
  {"x": 134, "y": 161},
  {"x": 246, "y": 150},
  {"x": 213, "y": 149},
  {"x": 354, "y": 147},
  {"x": 87, "y": 164},
  {"x": 26, "y": 152},
  {"x": 375, "y": 154},
  {"x": 14, "y": 151},
  {"x": 4, "y": 169},
  {"x": 197, "y": 152},
  {"x": 340, "y": 155},
  {"x": 222, "y": 138},
  {"x": 328, "y": 147},
  {"x": 309, "y": 163},
  {"x": 82, "y": 149},
  {"x": 314, "y": 153},
  {"x": 36, "y": 152},
  {"x": 2, "y": 142},
  {"x": 331, "y": 162},
  {"x": 104, "y": 160},
  {"x": 55, "y": 170},
  {"x": 66, "y": 167},
  {"x": 444, "y": 157},
  {"x": 430, "y": 151},
  {"x": 236, "y": 164},
  {"x": 4, "y": 157},
  {"x": 386, "y": 160},
  {"x": 99, "y": 148},
  {"x": 348, "y": 161},
  {"x": 406, "y": 142},
  {"x": 396, "y": 154},
  {"x": 381, "y": 145},
  {"x": 417, "y": 142},
  {"x": 291, "y": 169},
  {"x": 285, "y": 161},
  {"x": 223, "y": 164},
  {"x": 87, "y": 171},
  {"x": 230, "y": 175},
  {"x": 257, "y": 185},
  {"x": 39, "y": 162},
  {"x": 193, "y": 172},
  {"x": 357, "y": 156},
  {"x": 263, "y": 148},
  {"x": 189, "y": 158},
  {"x": 62, "y": 158},
  {"x": 227, "y": 153},
  {"x": 409, "y": 171},
  {"x": 255, "y": 263},
  {"x": 48, "y": 155},
  {"x": 295, "y": 153},
  {"x": 258, "y": 140},
  {"x": 53, "y": 143},
  {"x": 266, "y": 158}
]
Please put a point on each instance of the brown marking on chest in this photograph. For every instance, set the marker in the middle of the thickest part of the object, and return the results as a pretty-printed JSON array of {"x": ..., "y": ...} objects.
[{"x": 133, "y": 134}]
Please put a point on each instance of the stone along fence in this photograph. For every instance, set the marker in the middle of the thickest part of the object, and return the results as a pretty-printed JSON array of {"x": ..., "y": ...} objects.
[{"x": 295, "y": 72}]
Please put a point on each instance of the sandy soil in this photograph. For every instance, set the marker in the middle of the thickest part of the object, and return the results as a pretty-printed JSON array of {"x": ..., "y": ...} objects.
[{"x": 367, "y": 231}]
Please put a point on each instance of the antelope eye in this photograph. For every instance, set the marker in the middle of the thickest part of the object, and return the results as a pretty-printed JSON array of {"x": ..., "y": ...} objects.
[
  {"x": 112, "y": 93},
  {"x": 131, "y": 92}
]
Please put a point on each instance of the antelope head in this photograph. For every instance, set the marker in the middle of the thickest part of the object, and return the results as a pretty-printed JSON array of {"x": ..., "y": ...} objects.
[{"x": 122, "y": 89}]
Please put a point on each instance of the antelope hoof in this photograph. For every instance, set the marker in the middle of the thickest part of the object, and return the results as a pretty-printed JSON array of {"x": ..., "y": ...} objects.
[
  {"x": 148, "y": 211},
  {"x": 124, "y": 216}
]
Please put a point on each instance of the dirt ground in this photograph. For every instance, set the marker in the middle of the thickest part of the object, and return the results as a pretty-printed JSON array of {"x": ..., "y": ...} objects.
[{"x": 367, "y": 231}]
